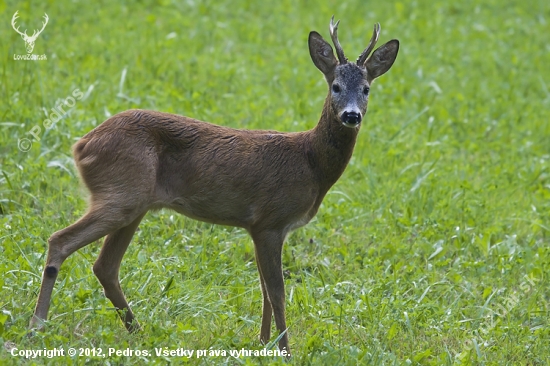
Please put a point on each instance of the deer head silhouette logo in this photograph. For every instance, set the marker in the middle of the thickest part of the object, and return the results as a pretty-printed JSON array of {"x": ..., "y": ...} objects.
[{"x": 29, "y": 40}]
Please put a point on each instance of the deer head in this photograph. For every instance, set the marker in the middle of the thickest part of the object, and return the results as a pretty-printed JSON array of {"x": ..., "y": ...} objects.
[
  {"x": 29, "y": 40},
  {"x": 350, "y": 82}
]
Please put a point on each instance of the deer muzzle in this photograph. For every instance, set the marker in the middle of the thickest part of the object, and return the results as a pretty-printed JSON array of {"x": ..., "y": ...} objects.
[{"x": 351, "y": 119}]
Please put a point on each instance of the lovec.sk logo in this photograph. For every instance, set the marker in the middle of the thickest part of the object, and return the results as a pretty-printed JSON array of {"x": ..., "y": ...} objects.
[{"x": 29, "y": 40}]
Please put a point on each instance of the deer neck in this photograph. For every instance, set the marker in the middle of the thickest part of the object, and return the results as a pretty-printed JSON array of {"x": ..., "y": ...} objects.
[{"x": 331, "y": 145}]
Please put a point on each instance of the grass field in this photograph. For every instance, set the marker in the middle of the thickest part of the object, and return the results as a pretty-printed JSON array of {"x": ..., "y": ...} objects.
[{"x": 432, "y": 249}]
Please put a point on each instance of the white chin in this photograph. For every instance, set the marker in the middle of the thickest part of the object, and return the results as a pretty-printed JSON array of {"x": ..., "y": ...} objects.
[{"x": 351, "y": 125}]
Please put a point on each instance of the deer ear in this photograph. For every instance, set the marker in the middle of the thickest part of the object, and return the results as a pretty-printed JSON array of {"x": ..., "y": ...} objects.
[
  {"x": 322, "y": 55},
  {"x": 381, "y": 60}
]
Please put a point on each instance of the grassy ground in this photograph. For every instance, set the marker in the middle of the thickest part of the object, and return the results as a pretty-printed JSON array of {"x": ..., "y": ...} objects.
[{"x": 432, "y": 249}]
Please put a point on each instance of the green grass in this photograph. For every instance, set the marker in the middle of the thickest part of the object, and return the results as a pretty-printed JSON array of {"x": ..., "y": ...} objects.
[{"x": 432, "y": 249}]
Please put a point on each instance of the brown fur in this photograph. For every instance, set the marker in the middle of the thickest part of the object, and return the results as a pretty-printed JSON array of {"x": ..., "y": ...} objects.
[
  {"x": 267, "y": 182},
  {"x": 216, "y": 174}
]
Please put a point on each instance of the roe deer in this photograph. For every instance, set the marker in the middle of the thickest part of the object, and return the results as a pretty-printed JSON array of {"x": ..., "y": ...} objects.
[{"x": 266, "y": 182}]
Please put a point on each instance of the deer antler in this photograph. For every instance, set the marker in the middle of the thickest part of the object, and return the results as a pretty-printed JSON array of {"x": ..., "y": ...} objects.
[
  {"x": 15, "y": 16},
  {"x": 35, "y": 34},
  {"x": 363, "y": 57},
  {"x": 334, "y": 35}
]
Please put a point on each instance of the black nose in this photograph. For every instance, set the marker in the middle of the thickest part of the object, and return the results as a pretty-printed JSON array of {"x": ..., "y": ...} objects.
[{"x": 352, "y": 118}]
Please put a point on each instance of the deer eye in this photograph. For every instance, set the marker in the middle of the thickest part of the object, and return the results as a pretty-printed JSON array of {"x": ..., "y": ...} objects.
[
  {"x": 336, "y": 88},
  {"x": 366, "y": 90}
]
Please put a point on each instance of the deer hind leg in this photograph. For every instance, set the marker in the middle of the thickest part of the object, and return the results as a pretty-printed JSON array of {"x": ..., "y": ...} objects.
[
  {"x": 101, "y": 219},
  {"x": 268, "y": 245},
  {"x": 107, "y": 266}
]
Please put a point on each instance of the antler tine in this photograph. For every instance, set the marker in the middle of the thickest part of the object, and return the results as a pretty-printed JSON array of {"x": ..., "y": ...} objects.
[
  {"x": 334, "y": 35},
  {"x": 44, "y": 23},
  {"x": 37, "y": 32},
  {"x": 13, "y": 20},
  {"x": 363, "y": 57}
]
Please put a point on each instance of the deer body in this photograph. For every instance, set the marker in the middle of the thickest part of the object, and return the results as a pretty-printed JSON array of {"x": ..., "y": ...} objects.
[
  {"x": 267, "y": 182},
  {"x": 278, "y": 180}
]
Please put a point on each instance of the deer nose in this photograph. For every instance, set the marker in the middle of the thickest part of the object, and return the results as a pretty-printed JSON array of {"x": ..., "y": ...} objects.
[{"x": 351, "y": 118}]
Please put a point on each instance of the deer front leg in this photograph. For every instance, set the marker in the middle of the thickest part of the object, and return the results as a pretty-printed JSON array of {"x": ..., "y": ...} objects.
[
  {"x": 268, "y": 246},
  {"x": 267, "y": 311}
]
